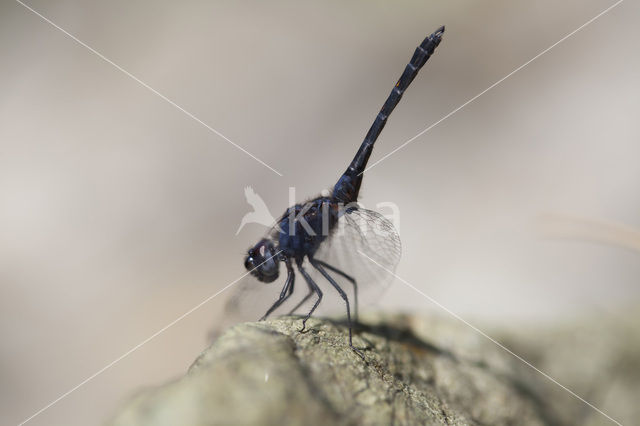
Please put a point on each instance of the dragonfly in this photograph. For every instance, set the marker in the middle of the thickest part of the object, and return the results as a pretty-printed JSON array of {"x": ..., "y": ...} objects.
[{"x": 333, "y": 225}]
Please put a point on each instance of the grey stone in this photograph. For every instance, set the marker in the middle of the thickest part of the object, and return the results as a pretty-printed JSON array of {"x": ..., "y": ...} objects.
[{"x": 416, "y": 371}]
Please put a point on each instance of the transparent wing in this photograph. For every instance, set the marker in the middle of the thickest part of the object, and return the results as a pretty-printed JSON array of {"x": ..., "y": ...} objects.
[
  {"x": 366, "y": 246},
  {"x": 247, "y": 301}
]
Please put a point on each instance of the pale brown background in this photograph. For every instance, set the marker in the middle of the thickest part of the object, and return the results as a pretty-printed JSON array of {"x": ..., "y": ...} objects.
[{"x": 118, "y": 212}]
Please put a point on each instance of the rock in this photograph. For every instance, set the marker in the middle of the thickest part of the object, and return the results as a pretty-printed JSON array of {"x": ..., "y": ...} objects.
[
  {"x": 416, "y": 371},
  {"x": 597, "y": 357}
]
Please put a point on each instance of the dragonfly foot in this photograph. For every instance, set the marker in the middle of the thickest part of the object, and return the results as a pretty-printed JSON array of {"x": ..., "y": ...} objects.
[{"x": 358, "y": 351}]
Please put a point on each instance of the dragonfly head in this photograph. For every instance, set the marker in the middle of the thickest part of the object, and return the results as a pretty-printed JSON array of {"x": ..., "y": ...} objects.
[{"x": 262, "y": 261}]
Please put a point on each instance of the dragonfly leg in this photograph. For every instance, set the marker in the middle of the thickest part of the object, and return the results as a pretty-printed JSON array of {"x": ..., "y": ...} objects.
[
  {"x": 287, "y": 290},
  {"x": 315, "y": 288},
  {"x": 348, "y": 278},
  {"x": 303, "y": 301},
  {"x": 320, "y": 268}
]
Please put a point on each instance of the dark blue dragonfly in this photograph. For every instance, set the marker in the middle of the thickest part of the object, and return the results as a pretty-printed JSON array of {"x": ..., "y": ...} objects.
[{"x": 334, "y": 226}]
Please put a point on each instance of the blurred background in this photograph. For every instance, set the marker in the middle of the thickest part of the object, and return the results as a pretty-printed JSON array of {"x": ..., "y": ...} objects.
[{"x": 118, "y": 212}]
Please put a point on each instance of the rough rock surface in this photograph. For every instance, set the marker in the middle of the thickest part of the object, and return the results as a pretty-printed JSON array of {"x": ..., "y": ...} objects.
[{"x": 416, "y": 371}]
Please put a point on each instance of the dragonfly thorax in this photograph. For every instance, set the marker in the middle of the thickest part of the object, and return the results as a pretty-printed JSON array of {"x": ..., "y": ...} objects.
[{"x": 304, "y": 227}]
